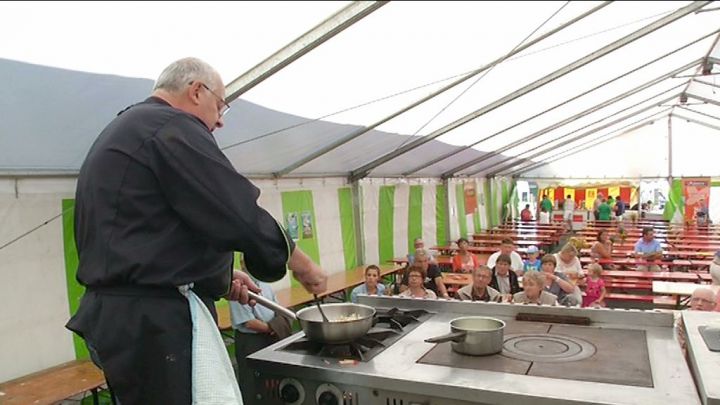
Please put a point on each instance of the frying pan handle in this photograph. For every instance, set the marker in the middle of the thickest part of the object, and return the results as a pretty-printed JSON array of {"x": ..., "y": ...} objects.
[
  {"x": 277, "y": 308},
  {"x": 454, "y": 337}
]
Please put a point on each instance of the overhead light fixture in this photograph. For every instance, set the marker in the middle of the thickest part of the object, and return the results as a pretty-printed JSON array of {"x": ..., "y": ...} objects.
[{"x": 683, "y": 98}]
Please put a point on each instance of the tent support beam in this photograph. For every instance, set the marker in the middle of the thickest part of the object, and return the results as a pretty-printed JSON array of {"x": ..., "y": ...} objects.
[
  {"x": 704, "y": 99},
  {"x": 629, "y": 72},
  {"x": 670, "y": 145},
  {"x": 360, "y": 131},
  {"x": 535, "y": 163},
  {"x": 694, "y": 121},
  {"x": 654, "y": 26},
  {"x": 698, "y": 112},
  {"x": 568, "y": 120},
  {"x": 573, "y": 152},
  {"x": 333, "y": 25},
  {"x": 588, "y": 133}
]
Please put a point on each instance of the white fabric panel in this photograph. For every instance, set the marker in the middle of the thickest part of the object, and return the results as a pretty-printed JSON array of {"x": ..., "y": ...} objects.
[
  {"x": 470, "y": 224},
  {"x": 271, "y": 201},
  {"x": 33, "y": 291},
  {"x": 330, "y": 242},
  {"x": 481, "y": 204},
  {"x": 452, "y": 211},
  {"x": 400, "y": 219},
  {"x": 370, "y": 194},
  {"x": 429, "y": 224}
]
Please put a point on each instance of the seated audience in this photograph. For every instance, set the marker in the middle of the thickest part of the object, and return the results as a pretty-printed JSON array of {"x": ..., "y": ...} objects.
[
  {"x": 420, "y": 244},
  {"x": 594, "y": 287},
  {"x": 647, "y": 248},
  {"x": 702, "y": 299},
  {"x": 507, "y": 247},
  {"x": 557, "y": 284},
  {"x": 533, "y": 292},
  {"x": 464, "y": 261},
  {"x": 504, "y": 279},
  {"x": 532, "y": 263},
  {"x": 433, "y": 276},
  {"x": 416, "y": 288},
  {"x": 371, "y": 286},
  {"x": 479, "y": 290},
  {"x": 255, "y": 328},
  {"x": 526, "y": 214},
  {"x": 567, "y": 259}
]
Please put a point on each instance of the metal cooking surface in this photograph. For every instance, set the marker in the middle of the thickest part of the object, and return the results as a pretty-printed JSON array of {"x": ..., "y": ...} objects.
[
  {"x": 547, "y": 348},
  {"x": 585, "y": 353}
]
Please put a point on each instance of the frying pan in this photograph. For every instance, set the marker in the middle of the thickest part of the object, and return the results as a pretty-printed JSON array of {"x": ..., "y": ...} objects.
[{"x": 347, "y": 321}]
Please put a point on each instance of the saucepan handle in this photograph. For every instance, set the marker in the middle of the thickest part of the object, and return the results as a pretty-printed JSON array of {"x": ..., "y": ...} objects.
[
  {"x": 279, "y": 309},
  {"x": 454, "y": 337}
]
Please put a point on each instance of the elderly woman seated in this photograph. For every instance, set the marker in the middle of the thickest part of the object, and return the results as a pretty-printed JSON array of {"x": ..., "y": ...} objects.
[
  {"x": 533, "y": 292},
  {"x": 415, "y": 287},
  {"x": 479, "y": 290}
]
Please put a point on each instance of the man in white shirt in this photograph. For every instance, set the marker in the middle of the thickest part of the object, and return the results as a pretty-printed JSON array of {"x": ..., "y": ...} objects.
[{"x": 507, "y": 247}]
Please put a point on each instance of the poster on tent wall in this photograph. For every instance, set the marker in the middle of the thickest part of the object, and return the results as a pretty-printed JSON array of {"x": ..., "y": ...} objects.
[
  {"x": 696, "y": 192},
  {"x": 470, "y": 197}
]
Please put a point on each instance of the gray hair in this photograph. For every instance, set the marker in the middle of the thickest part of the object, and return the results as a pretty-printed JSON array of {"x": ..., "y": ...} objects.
[
  {"x": 704, "y": 293},
  {"x": 537, "y": 277},
  {"x": 181, "y": 72}
]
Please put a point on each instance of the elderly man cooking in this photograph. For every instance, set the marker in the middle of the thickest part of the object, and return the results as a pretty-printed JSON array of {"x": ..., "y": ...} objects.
[{"x": 159, "y": 211}]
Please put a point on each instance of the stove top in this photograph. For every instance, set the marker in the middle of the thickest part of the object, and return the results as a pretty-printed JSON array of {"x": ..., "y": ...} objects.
[
  {"x": 389, "y": 326},
  {"x": 565, "y": 369}
]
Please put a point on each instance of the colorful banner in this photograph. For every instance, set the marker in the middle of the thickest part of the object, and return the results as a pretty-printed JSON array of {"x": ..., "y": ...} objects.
[
  {"x": 470, "y": 197},
  {"x": 696, "y": 192},
  {"x": 590, "y": 196},
  {"x": 585, "y": 197}
]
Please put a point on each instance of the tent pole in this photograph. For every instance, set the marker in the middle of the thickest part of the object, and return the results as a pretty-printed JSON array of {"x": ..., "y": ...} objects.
[
  {"x": 670, "y": 146},
  {"x": 305, "y": 43}
]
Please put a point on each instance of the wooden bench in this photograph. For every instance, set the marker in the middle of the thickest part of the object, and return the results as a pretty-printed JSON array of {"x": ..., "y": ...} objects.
[
  {"x": 54, "y": 384},
  {"x": 657, "y": 300}
]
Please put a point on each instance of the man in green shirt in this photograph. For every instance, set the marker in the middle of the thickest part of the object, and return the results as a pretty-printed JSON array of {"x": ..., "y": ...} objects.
[
  {"x": 546, "y": 203},
  {"x": 604, "y": 211}
]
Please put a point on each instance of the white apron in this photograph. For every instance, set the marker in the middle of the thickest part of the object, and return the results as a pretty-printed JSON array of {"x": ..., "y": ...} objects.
[{"x": 213, "y": 378}]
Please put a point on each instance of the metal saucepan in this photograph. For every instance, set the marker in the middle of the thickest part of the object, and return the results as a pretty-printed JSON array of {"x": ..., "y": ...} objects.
[
  {"x": 474, "y": 335},
  {"x": 347, "y": 321}
]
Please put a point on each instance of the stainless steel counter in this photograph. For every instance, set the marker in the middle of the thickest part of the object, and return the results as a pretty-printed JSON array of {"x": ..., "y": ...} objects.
[
  {"x": 705, "y": 363},
  {"x": 395, "y": 372}
]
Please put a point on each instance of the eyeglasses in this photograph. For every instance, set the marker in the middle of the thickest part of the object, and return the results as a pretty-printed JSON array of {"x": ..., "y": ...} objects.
[
  {"x": 225, "y": 106},
  {"x": 703, "y": 300}
]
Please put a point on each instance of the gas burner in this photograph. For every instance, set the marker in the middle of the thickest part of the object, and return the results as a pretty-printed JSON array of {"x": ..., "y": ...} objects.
[
  {"x": 388, "y": 327},
  {"x": 545, "y": 348},
  {"x": 398, "y": 319}
]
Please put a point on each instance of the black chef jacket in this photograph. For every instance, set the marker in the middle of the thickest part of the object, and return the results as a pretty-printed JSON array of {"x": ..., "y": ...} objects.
[{"x": 159, "y": 205}]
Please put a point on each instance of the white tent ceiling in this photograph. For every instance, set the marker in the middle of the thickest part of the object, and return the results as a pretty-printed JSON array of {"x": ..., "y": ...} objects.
[{"x": 607, "y": 74}]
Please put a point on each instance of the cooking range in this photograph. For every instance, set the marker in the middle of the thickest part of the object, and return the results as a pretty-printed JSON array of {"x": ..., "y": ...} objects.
[{"x": 617, "y": 357}]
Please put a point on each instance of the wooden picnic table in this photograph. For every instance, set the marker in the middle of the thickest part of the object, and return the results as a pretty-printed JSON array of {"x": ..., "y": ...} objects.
[
  {"x": 676, "y": 289},
  {"x": 442, "y": 260},
  {"x": 449, "y": 250},
  {"x": 297, "y": 295},
  {"x": 650, "y": 275},
  {"x": 457, "y": 279},
  {"x": 535, "y": 236}
]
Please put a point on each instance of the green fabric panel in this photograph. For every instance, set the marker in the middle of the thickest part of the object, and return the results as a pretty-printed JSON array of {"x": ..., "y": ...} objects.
[
  {"x": 476, "y": 221},
  {"x": 347, "y": 227},
  {"x": 415, "y": 226},
  {"x": 675, "y": 201},
  {"x": 488, "y": 204},
  {"x": 715, "y": 184},
  {"x": 75, "y": 291},
  {"x": 462, "y": 218},
  {"x": 440, "y": 215},
  {"x": 386, "y": 213},
  {"x": 298, "y": 203}
]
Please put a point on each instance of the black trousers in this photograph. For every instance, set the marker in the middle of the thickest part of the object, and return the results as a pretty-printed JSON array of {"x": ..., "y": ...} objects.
[{"x": 246, "y": 344}]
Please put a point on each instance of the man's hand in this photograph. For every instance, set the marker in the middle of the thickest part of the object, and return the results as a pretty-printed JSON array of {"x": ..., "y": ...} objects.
[
  {"x": 309, "y": 274},
  {"x": 313, "y": 279},
  {"x": 239, "y": 287}
]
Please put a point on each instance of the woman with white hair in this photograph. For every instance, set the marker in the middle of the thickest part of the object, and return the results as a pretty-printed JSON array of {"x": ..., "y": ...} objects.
[
  {"x": 567, "y": 259},
  {"x": 533, "y": 290}
]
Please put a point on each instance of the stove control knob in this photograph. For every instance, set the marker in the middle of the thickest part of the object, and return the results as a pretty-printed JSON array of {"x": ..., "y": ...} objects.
[
  {"x": 291, "y": 391},
  {"x": 328, "y": 394}
]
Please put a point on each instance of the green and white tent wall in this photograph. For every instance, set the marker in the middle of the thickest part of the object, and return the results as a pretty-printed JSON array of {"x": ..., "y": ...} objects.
[{"x": 38, "y": 291}]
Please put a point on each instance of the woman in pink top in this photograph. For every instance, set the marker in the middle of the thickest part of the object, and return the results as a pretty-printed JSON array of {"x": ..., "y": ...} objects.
[
  {"x": 594, "y": 287},
  {"x": 464, "y": 261}
]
